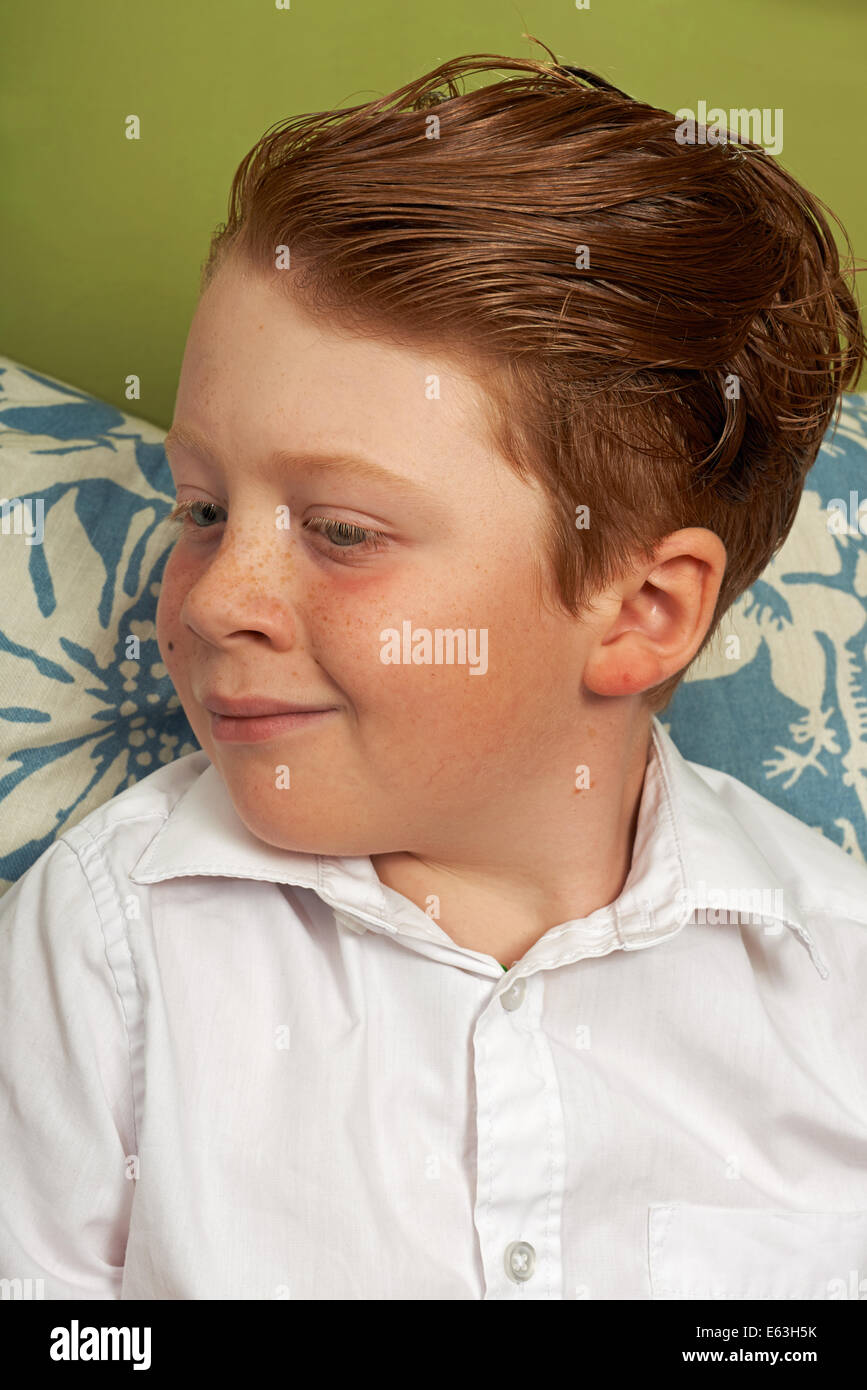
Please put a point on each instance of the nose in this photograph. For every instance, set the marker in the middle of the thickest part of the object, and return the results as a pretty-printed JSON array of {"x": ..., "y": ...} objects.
[{"x": 248, "y": 585}]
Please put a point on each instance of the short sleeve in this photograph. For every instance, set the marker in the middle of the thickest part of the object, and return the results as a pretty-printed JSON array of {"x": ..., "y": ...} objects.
[{"x": 66, "y": 1107}]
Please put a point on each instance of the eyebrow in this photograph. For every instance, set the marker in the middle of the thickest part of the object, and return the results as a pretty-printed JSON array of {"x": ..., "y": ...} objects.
[{"x": 348, "y": 464}]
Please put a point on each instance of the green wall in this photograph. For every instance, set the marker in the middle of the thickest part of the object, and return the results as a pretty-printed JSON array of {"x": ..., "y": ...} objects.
[{"x": 102, "y": 238}]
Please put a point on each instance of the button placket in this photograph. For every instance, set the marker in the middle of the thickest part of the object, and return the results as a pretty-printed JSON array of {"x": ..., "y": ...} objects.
[
  {"x": 520, "y": 1144},
  {"x": 519, "y": 1258}
]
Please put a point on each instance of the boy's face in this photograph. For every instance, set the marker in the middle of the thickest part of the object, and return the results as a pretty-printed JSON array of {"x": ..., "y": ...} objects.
[{"x": 413, "y": 756}]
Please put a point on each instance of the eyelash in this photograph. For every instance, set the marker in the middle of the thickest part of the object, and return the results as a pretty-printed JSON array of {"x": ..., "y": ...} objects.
[{"x": 366, "y": 540}]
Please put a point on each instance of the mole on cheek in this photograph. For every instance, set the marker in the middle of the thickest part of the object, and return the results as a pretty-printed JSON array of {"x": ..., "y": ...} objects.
[{"x": 171, "y": 646}]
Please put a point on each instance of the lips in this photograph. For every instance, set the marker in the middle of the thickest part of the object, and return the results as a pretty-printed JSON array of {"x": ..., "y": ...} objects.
[{"x": 255, "y": 706}]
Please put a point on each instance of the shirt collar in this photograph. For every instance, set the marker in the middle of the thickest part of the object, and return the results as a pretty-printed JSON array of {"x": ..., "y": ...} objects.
[{"x": 688, "y": 846}]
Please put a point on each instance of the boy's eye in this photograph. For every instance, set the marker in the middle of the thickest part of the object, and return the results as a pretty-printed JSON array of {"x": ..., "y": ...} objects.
[
  {"x": 181, "y": 510},
  {"x": 344, "y": 535}
]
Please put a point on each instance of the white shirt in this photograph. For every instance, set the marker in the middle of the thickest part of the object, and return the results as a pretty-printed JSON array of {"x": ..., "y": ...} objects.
[{"x": 234, "y": 1072}]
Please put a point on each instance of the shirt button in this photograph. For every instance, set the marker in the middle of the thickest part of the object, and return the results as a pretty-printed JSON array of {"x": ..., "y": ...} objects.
[
  {"x": 513, "y": 997},
  {"x": 520, "y": 1261}
]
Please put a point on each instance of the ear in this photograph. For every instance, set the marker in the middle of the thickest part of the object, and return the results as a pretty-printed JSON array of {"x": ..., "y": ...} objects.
[{"x": 656, "y": 619}]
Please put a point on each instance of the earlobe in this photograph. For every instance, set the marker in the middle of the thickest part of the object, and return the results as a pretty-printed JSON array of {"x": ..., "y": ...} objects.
[{"x": 623, "y": 667}]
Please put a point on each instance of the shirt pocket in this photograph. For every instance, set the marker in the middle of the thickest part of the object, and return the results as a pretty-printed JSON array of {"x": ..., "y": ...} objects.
[{"x": 720, "y": 1252}]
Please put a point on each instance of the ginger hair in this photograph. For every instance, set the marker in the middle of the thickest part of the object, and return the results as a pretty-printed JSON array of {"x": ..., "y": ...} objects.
[{"x": 610, "y": 374}]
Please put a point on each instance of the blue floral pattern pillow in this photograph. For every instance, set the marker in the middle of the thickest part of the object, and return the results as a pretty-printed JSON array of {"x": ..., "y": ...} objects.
[
  {"x": 787, "y": 713},
  {"x": 87, "y": 708},
  {"x": 86, "y": 705}
]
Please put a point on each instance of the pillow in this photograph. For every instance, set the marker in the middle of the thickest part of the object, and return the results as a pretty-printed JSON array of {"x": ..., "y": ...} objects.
[
  {"x": 87, "y": 708},
  {"x": 86, "y": 705},
  {"x": 785, "y": 710}
]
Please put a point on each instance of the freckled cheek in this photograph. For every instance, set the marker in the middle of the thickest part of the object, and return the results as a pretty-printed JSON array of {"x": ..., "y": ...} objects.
[
  {"x": 178, "y": 578},
  {"x": 344, "y": 619},
  {"x": 439, "y": 705}
]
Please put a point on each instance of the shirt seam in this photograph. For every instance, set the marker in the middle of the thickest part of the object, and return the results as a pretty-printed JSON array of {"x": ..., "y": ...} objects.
[
  {"x": 100, "y": 868},
  {"x": 670, "y": 808}
]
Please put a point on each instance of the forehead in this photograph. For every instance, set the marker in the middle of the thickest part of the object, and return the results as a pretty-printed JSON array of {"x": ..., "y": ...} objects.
[
  {"x": 248, "y": 329},
  {"x": 260, "y": 368}
]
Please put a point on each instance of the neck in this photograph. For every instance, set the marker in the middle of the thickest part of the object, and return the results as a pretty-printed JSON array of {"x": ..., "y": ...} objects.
[{"x": 551, "y": 854}]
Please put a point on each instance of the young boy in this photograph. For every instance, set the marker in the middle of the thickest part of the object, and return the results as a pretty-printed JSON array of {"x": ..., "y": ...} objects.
[{"x": 490, "y": 408}]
